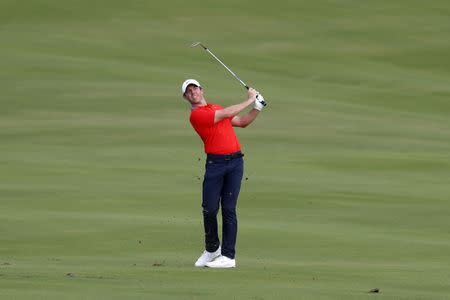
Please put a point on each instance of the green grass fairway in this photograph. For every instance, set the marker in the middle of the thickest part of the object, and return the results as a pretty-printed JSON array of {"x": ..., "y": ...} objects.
[{"x": 347, "y": 171}]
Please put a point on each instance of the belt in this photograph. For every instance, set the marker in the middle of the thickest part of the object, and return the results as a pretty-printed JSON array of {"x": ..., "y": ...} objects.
[{"x": 224, "y": 156}]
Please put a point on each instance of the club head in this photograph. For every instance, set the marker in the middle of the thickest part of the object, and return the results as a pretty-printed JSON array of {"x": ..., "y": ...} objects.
[{"x": 197, "y": 44}]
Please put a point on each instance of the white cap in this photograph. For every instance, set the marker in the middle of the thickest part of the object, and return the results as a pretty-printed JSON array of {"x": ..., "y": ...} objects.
[{"x": 187, "y": 82}]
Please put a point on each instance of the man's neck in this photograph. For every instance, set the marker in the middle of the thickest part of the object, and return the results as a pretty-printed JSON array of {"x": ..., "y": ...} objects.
[{"x": 195, "y": 105}]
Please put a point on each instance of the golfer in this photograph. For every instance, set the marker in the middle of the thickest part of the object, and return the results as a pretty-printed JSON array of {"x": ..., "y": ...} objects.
[{"x": 223, "y": 170}]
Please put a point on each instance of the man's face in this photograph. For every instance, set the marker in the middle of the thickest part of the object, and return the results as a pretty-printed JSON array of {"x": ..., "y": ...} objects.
[{"x": 194, "y": 94}]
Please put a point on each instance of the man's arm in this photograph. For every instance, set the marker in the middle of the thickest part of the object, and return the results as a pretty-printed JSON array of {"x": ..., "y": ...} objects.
[
  {"x": 232, "y": 111},
  {"x": 245, "y": 120}
]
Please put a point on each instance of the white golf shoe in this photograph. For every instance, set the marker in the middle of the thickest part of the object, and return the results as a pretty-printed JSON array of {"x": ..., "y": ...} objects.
[
  {"x": 222, "y": 262},
  {"x": 206, "y": 257}
]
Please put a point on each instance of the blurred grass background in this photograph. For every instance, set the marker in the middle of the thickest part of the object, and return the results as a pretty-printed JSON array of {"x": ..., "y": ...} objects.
[{"x": 347, "y": 170}]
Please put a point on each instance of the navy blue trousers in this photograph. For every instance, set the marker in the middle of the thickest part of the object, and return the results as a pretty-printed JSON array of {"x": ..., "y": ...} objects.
[{"x": 221, "y": 186}]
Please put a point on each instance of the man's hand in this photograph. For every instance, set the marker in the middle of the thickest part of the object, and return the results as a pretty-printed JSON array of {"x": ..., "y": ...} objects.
[
  {"x": 259, "y": 102},
  {"x": 252, "y": 93},
  {"x": 257, "y": 98}
]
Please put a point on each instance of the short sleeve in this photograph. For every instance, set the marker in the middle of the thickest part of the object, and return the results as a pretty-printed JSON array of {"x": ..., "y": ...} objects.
[{"x": 202, "y": 118}]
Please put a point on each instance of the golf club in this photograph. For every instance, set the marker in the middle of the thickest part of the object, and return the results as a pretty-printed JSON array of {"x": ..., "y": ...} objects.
[{"x": 228, "y": 69}]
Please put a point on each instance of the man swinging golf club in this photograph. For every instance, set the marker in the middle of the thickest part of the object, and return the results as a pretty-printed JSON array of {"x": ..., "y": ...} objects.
[{"x": 223, "y": 170}]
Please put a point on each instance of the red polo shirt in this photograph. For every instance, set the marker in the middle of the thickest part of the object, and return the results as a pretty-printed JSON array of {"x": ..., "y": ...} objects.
[{"x": 219, "y": 138}]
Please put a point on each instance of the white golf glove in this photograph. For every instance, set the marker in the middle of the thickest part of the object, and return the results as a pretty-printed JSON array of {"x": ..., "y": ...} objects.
[{"x": 259, "y": 102}]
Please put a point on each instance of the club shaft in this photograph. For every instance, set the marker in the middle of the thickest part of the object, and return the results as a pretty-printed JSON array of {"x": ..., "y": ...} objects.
[{"x": 228, "y": 69}]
